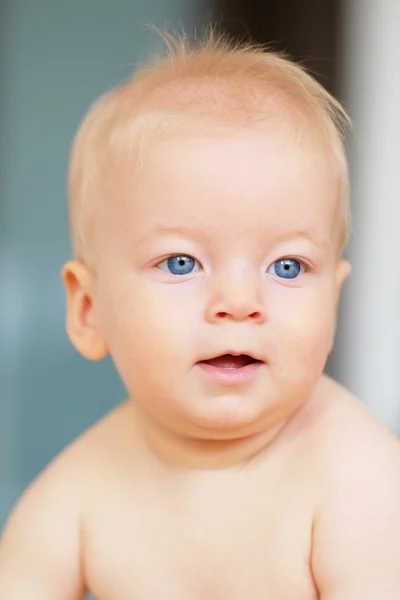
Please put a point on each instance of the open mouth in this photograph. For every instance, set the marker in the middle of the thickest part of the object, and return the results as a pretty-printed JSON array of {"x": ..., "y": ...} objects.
[
  {"x": 230, "y": 362},
  {"x": 231, "y": 369}
]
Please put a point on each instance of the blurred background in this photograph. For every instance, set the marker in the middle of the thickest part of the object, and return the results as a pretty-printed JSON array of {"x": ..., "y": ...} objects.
[{"x": 56, "y": 57}]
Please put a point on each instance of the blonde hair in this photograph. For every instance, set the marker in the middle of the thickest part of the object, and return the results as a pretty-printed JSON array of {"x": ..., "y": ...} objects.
[{"x": 213, "y": 81}]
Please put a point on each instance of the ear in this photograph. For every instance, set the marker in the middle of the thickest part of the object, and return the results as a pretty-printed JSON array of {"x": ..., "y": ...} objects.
[
  {"x": 343, "y": 270},
  {"x": 80, "y": 323}
]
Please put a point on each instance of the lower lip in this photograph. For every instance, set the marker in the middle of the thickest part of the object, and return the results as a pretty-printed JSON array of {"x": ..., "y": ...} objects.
[{"x": 242, "y": 374}]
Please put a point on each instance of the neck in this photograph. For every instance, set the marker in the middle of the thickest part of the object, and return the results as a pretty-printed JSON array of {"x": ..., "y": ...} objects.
[{"x": 182, "y": 452}]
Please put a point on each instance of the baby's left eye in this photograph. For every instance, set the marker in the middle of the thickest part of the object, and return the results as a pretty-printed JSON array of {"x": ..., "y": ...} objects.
[{"x": 286, "y": 268}]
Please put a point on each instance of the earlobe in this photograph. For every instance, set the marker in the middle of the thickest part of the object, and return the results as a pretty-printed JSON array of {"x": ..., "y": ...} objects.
[{"x": 81, "y": 326}]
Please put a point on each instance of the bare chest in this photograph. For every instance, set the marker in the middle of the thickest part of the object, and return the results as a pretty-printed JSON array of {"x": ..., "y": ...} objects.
[{"x": 214, "y": 542}]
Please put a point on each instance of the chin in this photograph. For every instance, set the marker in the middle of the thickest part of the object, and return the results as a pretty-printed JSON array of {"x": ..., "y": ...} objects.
[{"x": 226, "y": 416}]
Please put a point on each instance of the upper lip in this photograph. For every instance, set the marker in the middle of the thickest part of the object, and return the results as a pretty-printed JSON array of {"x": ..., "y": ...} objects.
[{"x": 254, "y": 356}]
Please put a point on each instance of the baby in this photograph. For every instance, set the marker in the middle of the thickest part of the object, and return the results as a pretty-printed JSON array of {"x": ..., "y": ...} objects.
[{"x": 209, "y": 211}]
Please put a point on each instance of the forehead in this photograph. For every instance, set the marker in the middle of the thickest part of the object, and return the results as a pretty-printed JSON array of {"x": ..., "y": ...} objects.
[{"x": 237, "y": 184}]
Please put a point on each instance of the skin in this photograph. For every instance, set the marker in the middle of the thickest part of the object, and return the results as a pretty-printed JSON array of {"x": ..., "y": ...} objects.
[
  {"x": 154, "y": 323},
  {"x": 282, "y": 487}
]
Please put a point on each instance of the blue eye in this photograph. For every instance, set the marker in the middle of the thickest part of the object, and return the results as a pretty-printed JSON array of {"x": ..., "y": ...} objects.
[
  {"x": 180, "y": 264},
  {"x": 286, "y": 268}
]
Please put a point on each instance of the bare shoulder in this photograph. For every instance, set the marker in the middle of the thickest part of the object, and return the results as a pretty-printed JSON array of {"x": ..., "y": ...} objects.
[
  {"x": 41, "y": 545},
  {"x": 349, "y": 434},
  {"x": 106, "y": 442},
  {"x": 65, "y": 482},
  {"x": 357, "y": 455},
  {"x": 97, "y": 448},
  {"x": 356, "y": 541}
]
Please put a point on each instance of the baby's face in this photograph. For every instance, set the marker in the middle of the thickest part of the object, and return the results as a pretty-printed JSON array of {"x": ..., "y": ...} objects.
[{"x": 224, "y": 245}]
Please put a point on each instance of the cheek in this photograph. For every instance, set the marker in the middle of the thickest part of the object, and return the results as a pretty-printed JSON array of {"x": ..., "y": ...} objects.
[
  {"x": 303, "y": 327},
  {"x": 151, "y": 328}
]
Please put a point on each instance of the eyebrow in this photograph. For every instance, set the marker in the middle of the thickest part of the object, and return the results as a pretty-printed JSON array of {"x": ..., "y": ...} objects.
[
  {"x": 295, "y": 235},
  {"x": 302, "y": 233},
  {"x": 171, "y": 230},
  {"x": 197, "y": 234}
]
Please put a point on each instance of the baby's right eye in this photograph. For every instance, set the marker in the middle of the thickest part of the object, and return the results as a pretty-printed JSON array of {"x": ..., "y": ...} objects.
[{"x": 179, "y": 264}]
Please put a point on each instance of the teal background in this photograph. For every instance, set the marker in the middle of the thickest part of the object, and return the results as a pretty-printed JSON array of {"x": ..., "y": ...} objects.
[{"x": 56, "y": 58}]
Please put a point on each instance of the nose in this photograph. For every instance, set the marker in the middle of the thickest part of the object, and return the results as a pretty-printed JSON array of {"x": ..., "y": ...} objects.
[{"x": 237, "y": 299}]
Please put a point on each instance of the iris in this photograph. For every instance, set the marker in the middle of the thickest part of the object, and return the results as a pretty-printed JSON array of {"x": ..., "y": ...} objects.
[{"x": 287, "y": 268}]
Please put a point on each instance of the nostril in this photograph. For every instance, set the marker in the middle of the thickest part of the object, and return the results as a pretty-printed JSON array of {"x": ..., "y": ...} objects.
[{"x": 254, "y": 315}]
